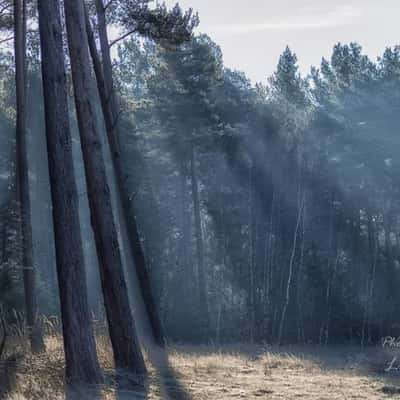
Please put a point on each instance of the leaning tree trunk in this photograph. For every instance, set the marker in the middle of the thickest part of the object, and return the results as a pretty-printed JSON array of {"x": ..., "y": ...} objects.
[
  {"x": 23, "y": 194},
  {"x": 202, "y": 287},
  {"x": 79, "y": 344},
  {"x": 127, "y": 353},
  {"x": 103, "y": 72}
]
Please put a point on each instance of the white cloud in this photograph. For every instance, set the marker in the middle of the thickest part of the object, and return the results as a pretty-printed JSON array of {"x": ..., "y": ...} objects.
[{"x": 306, "y": 20}]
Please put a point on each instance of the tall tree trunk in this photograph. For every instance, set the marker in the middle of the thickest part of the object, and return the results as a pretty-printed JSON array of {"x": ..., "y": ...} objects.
[
  {"x": 390, "y": 275},
  {"x": 300, "y": 208},
  {"x": 325, "y": 321},
  {"x": 252, "y": 251},
  {"x": 79, "y": 345},
  {"x": 103, "y": 72},
  {"x": 370, "y": 289},
  {"x": 357, "y": 267},
  {"x": 106, "y": 58},
  {"x": 300, "y": 279},
  {"x": 185, "y": 245},
  {"x": 4, "y": 234},
  {"x": 35, "y": 332},
  {"x": 127, "y": 353},
  {"x": 202, "y": 286},
  {"x": 331, "y": 285}
]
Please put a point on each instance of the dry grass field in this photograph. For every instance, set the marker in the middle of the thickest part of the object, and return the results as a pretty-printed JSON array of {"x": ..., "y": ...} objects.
[{"x": 228, "y": 372}]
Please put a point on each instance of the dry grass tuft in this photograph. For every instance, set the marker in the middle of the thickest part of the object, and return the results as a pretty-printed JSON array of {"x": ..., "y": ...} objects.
[
  {"x": 228, "y": 372},
  {"x": 288, "y": 361}
]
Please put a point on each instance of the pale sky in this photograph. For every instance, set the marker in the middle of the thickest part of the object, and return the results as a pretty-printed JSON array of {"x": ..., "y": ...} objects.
[{"x": 253, "y": 33}]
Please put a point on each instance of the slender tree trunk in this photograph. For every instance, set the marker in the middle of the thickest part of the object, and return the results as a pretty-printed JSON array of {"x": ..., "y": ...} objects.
[
  {"x": 202, "y": 287},
  {"x": 389, "y": 274},
  {"x": 331, "y": 285},
  {"x": 300, "y": 276},
  {"x": 79, "y": 345},
  {"x": 187, "y": 259},
  {"x": 373, "y": 256},
  {"x": 4, "y": 235},
  {"x": 356, "y": 252},
  {"x": 127, "y": 352},
  {"x": 275, "y": 270},
  {"x": 103, "y": 72},
  {"x": 107, "y": 63},
  {"x": 34, "y": 329},
  {"x": 324, "y": 324},
  {"x": 267, "y": 270},
  {"x": 252, "y": 250},
  {"x": 300, "y": 208}
]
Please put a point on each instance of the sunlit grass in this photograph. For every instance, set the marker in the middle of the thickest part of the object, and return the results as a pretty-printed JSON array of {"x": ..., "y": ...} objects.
[{"x": 229, "y": 372}]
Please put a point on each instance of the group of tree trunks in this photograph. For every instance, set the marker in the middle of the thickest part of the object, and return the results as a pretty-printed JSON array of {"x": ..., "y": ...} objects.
[{"x": 79, "y": 340}]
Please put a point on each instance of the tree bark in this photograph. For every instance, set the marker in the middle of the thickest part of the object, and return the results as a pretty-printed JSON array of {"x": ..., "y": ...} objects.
[
  {"x": 252, "y": 252},
  {"x": 103, "y": 72},
  {"x": 185, "y": 246},
  {"x": 127, "y": 353},
  {"x": 32, "y": 320},
  {"x": 370, "y": 286},
  {"x": 300, "y": 209},
  {"x": 202, "y": 286},
  {"x": 79, "y": 344}
]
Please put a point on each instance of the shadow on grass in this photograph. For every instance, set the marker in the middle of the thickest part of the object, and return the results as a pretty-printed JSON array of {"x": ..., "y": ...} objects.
[
  {"x": 132, "y": 388},
  {"x": 8, "y": 369},
  {"x": 130, "y": 394},
  {"x": 170, "y": 386},
  {"x": 128, "y": 387},
  {"x": 82, "y": 392},
  {"x": 125, "y": 385}
]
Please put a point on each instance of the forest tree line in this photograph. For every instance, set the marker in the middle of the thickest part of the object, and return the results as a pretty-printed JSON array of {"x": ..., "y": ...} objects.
[{"x": 264, "y": 213}]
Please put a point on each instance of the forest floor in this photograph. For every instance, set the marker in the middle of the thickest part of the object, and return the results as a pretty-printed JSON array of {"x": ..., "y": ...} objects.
[{"x": 227, "y": 372}]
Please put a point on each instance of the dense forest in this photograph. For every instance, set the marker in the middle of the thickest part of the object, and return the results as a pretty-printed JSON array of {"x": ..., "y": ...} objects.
[{"x": 150, "y": 191}]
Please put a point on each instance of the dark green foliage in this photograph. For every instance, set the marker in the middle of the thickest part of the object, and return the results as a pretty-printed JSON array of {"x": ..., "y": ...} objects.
[
  {"x": 329, "y": 139},
  {"x": 159, "y": 23},
  {"x": 298, "y": 186}
]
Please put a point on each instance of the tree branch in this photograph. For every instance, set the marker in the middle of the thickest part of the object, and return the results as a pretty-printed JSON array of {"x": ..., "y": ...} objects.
[
  {"x": 124, "y": 36},
  {"x": 108, "y": 5},
  {"x": 6, "y": 39}
]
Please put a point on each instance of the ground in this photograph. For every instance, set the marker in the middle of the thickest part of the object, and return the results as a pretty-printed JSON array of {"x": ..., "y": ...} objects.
[{"x": 226, "y": 372}]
